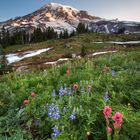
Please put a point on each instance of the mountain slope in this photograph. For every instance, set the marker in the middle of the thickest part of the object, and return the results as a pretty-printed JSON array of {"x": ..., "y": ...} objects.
[{"x": 62, "y": 17}]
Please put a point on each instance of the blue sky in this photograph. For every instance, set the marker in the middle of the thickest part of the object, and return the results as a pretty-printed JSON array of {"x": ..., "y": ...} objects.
[{"x": 110, "y": 9}]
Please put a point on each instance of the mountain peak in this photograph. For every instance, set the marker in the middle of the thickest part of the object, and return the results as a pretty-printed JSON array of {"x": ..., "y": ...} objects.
[
  {"x": 58, "y": 5},
  {"x": 63, "y": 17}
]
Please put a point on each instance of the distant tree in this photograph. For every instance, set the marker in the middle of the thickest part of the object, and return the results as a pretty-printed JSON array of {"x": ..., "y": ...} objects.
[
  {"x": 72, "y": 33},
  {"x": 38, "y": 35},
  {"x": 83, "y": 51},
  {"x": 3, "y": 65},
  {"x": 81, "y": 28},
  {"x": 65, "y": 34},
  {"x": 87, "y": 29},
  {"x": 121, "y": 30},
  {"x": 50, "y": 33},
  {"x": 61, "y": 35}
]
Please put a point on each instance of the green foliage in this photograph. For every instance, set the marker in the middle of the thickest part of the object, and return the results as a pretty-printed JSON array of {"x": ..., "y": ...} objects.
[
  {"x": 81, "y": 28},
  {"x": 3, "y": 63},
  {"x": 19, "y": 121},
  {"x": 83, "y": 51}
]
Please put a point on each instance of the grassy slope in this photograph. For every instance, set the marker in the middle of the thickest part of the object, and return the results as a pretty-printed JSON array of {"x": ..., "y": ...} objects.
[
  {"x": 123, "y": 88},
  {"x": 75, "y": 47}
]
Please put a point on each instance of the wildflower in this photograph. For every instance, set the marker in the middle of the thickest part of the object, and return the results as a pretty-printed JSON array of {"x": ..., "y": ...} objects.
[
  {"x": 129, "y": 104},
  {"x": 26, "y": 101},
  {"x": 64, "y": 110},
  {"x": 55, "y": 131},
  {"x": 88, "y": 133},
  {"x": 72, "y": 116},
  {"x": 65, "y": 89},
  {"x": 117, "y": 117},
  {"x": 68, "y": 72},
  {"x": 106, "y": 97},
  {"x": 75, "y": 87},
  {"x": 53, "y": 112},
  {"x": 61, "y": 91},
  {"x": 89, "y": 88},
  {"x": 117, "y": 125},
  {"x": 113, "y": 72},
  {"x": 82, "y": 89},
  {"x": 107, "y": 111},
  {"x": 54, "y": 93},
  {"x": 109, "y": 130},
  {"x": 33, "y": 94}
]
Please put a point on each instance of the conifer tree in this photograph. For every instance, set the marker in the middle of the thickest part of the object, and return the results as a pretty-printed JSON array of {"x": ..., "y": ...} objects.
[
  {"x": 81, "y": 28},
  {"x": 3, "y": 65}
]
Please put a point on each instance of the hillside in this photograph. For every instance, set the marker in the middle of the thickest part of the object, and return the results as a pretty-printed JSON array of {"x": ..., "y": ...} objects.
[
  {"x": 67, "y": 101},
  {"x": 26, "y": 59}
]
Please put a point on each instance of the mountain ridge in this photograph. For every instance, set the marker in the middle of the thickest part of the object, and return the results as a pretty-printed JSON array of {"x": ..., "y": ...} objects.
[{"x": 64, "y": 17}]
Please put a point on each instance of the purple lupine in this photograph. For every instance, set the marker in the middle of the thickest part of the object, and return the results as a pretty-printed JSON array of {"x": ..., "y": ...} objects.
[
  {"x": 89, "y": 88},
  {"x": 113, "y": 72},
  {"x": 61, "y": 91},
  {"x": 53, "y": 112},
  {"x": 54, "y": 93},
  {"x": 73, "y": 116},
  {"x": 106, "y": 97},
  {"x": 65, "y": 90},
  {"x": 56, "y": 114},
  {"x": 82, "y": 89},
  {"x": 64, "y": 110},
  {"x": 55, "y": 131}
]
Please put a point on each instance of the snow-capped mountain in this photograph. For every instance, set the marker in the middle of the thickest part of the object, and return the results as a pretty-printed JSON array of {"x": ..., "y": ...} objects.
[{"x": 62, "y": 17}]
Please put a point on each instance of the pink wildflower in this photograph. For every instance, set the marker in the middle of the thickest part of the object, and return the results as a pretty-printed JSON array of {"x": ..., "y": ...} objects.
[
  {"x": 75, "y": 87},
  {"x": 109, "y": 130},
  {"x": 117, "y": 125},
  {"x": 117, "y": 117},
  {"x": 107, "y": 111},
  {"x": 26, "y": 102},
  {"x": 33, "y": 94}
]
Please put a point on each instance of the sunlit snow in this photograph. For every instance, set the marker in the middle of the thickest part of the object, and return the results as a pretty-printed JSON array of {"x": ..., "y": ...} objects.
[{"x": 15, "y": 57}]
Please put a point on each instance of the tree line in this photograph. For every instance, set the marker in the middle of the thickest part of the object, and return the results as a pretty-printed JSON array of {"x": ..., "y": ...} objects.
[{"x": 22, "y": 37}]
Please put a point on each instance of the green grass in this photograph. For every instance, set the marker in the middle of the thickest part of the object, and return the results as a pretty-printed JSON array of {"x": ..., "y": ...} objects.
[
  {"x": 17, "y": 121},
  {"x": 76, "y": 41}
]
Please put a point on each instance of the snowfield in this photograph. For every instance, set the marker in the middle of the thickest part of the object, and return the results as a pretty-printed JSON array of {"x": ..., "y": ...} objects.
[{"x": 15, "y": 57}]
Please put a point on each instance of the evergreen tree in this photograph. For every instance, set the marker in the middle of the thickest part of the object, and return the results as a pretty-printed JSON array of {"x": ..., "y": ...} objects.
[
  {"x": 3, "y": 65},
  {"x": 38, "y": 35},
  {"x": 72, "y": 33},
  {"x": 61, "y": 35},
  {"x": 81, "y": 28},
  {"x": 121, "y": 30},
  {"x": 83, "y": 51},
  {"x": 65, "y": 34}
]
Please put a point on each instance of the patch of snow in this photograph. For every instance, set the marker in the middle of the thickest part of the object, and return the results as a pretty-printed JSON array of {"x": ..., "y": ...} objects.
[
  {"x": 119, "y": 42},
  {"x": 127, "y": 42},
  {"x": 60, "y": 25},
  {"x": 11, "y": 58},
  {"x": 115, "y": 26},
  {"x": 107, "y": 31},
  {"x": 56, "y": 5},
  {"x": 98, "y": 53},
  {"x": 55, "y": 62}
]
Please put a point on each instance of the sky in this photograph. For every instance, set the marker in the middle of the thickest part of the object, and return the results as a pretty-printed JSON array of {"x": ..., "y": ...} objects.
[{"x": 109, "y": 9}]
